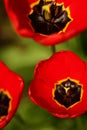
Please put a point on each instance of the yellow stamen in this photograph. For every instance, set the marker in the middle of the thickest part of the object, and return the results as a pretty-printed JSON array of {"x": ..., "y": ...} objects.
[
  {"x": 46, "y": 8},
  {"x": 66, "y": 89}
]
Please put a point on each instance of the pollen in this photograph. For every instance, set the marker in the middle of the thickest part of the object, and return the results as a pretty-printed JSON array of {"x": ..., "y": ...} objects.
[{"x": 46, "y": 8}]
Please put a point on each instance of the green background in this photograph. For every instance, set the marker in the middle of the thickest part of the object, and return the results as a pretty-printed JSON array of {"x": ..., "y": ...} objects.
[{"x": 21, "y": 55}]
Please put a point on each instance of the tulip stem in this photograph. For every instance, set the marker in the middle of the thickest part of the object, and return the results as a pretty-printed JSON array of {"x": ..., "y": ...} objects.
[{"x": 53, "y": 49}]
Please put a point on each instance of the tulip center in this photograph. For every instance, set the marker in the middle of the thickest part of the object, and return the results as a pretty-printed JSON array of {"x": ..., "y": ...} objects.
[
  {"x": 4, "y": 103},
  {"x": 67, "y": 92},
  {"x": 48, "y": 17}
]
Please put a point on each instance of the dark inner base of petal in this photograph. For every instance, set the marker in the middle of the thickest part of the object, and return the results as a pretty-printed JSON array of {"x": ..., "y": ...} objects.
[
  {"x": 45, "y": 22},
  {"x": 4, "y": 104},
  {"x": 67, "y": 93}
]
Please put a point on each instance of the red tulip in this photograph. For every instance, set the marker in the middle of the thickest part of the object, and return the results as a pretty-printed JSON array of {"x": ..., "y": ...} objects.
[
  {"x": 60, "y": 85},
  {"x": 47, "y": 21},
  {"x": 11, "y": 87}
]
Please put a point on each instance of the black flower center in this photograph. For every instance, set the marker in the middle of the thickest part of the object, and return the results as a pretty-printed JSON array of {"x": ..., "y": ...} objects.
[
  {"x": 48, "y": 17},
  {"x": 67, "y": 93},
  {"x": 4, "y": 104}
]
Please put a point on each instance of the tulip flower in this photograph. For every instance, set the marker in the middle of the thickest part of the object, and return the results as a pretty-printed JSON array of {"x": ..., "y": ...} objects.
[
  {"x": 60, "y": 85},
  {"x": 11, "y": 87},
  {"x": 47, "y": 21}
]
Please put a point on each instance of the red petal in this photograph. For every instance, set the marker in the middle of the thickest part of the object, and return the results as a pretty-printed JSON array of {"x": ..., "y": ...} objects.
[
  {"x": 18, "y": 11},
  {"x": 41, "y": 94},
  {"x": 66, "y": 2},
  {"x": 12, "y": 84},
  {"x": 59, "y": 66}
]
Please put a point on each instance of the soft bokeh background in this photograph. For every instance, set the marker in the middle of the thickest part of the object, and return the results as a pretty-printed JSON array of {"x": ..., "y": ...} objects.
[{"x": 21, "y": 55}]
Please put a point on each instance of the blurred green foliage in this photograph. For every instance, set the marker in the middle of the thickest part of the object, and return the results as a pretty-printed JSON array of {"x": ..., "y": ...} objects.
[{"x": 21, "y": 55}]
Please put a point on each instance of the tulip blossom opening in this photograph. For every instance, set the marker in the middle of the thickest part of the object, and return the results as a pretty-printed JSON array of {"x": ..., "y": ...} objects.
[
  {"x": 11, "y": 88},
  {"x": 48, "y": 17},
  {"x": 67, "y": 92},
  {"x": 48, "y": 22},
  {"x": 60, "y": 85}
]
